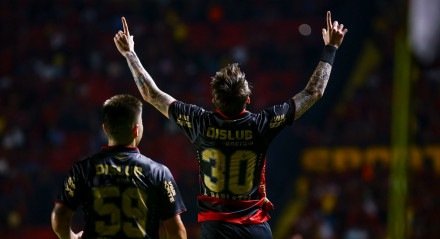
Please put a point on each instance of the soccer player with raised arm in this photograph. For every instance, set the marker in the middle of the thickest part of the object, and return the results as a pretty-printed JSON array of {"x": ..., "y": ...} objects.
[
  {"x": 231, "y": 142},
  {"x": 123, "y": 193}
]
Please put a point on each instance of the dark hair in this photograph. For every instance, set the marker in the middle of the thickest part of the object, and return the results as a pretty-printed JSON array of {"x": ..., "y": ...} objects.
[
  {"x": 120, "y": 114},
  {"x": 230, "y": 90}
]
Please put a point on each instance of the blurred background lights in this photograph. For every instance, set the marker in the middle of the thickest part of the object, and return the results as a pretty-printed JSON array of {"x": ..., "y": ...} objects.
[{"x": 305, "y": 29}]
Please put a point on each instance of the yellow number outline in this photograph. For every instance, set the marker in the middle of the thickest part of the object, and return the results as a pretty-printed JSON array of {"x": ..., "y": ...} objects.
[
  {"x": 133, "y": 201},
  {"x": 217, "y": 161}
]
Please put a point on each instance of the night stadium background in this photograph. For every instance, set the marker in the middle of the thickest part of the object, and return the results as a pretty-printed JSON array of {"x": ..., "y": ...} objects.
[{"x": 333, "y": 174}]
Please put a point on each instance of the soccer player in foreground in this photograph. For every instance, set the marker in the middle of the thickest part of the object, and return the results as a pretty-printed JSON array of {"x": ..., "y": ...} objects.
[
  {"x": 231, "y": 142},
  {"x": 124, "y": 194}
]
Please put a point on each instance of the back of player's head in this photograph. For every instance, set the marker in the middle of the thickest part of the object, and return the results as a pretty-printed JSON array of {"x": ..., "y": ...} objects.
[
  {"x": 230, "y": 90},
  {"x": 121, "y": 113}
]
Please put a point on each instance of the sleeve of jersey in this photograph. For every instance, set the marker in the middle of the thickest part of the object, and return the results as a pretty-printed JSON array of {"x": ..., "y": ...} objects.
[
  {"x": 171, "y": 202},
  {"x": 71, "y": 189},
  {"x": 273, "y": 119},
  {"x": 187, "y": 117}
]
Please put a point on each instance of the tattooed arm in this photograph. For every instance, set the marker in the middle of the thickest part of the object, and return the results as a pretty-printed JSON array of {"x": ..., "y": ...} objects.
[
  {"x": 145, "y": 83},
  {"x": 147, "y": 87},
  {"x": 314, "y": 89},
  {"x": 333, "y": 36}
]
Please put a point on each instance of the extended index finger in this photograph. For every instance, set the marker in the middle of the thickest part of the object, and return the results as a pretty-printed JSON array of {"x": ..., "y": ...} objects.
[
  {"x": 329, "y": 20},
  {"x": 125, "y": 26}
]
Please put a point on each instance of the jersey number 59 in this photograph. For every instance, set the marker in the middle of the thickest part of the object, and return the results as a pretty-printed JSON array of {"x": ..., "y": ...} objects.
[{"x": 133, "y": 203}]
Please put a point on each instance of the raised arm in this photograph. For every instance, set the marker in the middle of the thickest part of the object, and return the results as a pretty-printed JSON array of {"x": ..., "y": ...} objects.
[
  {"x": 333, "y": 36},
  {"x": 145, "y": 83}
]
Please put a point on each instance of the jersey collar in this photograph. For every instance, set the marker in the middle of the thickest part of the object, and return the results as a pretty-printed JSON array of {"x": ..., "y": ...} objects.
[
  {"x": 120, "y": 148},
  {"x": 240, "y": 115}
]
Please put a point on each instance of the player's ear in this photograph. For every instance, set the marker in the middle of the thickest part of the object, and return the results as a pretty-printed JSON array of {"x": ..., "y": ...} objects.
[
  {"x": 248, "y": 100},
  {"x": 104, "y": 128},
  {"x": 136, "y": 130}
]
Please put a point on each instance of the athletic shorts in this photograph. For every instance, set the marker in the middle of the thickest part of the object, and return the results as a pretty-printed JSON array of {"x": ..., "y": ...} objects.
[{"x": 225, "y": 230}]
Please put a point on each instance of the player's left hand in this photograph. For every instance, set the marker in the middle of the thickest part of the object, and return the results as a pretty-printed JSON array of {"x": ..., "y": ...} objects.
[
  {"x": 334, "y": 33},
  {"x": 123, "y": 40}
]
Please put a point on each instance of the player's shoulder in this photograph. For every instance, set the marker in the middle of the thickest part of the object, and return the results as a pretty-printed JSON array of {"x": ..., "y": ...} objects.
[
  {"x": 280, "y": 106},
  {"x": 148, "y": 165},
  {"x": 106, "y": 155},
  {"x": 157, "y": 166},
  {"x": 147, "y": 162},
  {"x": 286, "y": 108},
  {"x": 93, "y": 157},
  {"x": 85, "y": 160},
  {"x": 154, "y": 169},
  {"x": 181, "y": 106}
]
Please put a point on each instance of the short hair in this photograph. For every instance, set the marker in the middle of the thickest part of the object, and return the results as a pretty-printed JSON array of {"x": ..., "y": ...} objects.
[
  {"x": 120, "y": 114},
  {"x": 230, "y": 90}
]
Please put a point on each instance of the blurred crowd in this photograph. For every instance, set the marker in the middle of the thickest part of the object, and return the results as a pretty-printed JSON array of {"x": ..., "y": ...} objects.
[
  {"x": 353, "y": 203},
  {"x": 58, "y": 64}
]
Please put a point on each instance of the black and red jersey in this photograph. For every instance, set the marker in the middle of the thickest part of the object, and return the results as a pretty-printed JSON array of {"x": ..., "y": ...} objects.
[
  {"x": 123, "y": 193},
  {"x": 231, "y": 156}
]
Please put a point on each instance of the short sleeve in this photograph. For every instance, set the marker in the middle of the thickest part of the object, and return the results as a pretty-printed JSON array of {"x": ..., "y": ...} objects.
[
  {"x": 187, "y": 117},
  {"x": 275, "y": 118},
  {"x": 71, "y": 189},
  {"x": 171, "y": 202}
]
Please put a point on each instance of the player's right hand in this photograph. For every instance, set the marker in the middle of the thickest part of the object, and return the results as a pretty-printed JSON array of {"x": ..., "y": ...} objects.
[
  {"x": 123, "y": 40},
  {"x": 334, "y": 33}
]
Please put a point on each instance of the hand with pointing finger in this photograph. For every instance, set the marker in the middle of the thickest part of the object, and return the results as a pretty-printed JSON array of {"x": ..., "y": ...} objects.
[
  {"x": 334, "y": 33},
  {"x": 123, "y": 40}
]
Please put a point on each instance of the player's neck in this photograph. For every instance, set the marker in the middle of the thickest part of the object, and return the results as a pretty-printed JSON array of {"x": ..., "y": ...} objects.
[
  {"x": 112, "y": 143},
  {"x": 223, "y": 115}
]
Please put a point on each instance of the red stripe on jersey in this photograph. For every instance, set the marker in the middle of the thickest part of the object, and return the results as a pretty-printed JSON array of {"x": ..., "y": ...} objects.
[
  {"x": 260, "y": 212},
  {"x": 260, "y": 215},
  {"x": 262, "y": 188}
]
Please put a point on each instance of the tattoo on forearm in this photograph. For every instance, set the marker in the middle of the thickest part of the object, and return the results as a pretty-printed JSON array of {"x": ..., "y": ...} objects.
[
  {"x": 314, "y": 89},
  {"x": 134, "y": 63},
  {"x": 146, "y": 85},
  {"x": 141, "y": 77},
  {"x": 156, "y": 98}
]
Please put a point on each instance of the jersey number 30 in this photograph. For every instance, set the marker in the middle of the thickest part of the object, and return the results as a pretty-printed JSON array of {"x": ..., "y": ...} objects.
[{"x": 240, "y": 171}]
